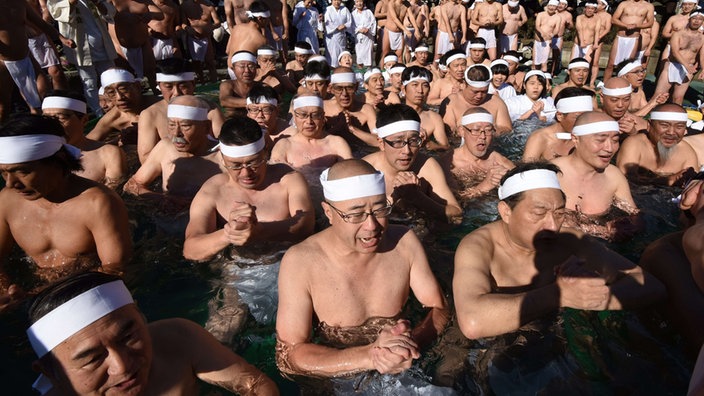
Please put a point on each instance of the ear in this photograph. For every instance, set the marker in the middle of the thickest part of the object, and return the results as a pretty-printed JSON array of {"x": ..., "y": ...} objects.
[
  {"x": 504, "y": 212},
  {"x": 327, "y": 211},
  {"x": 381, "y": 144}
]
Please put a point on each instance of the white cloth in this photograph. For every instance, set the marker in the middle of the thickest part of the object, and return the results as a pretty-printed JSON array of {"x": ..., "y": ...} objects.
[
  {"x": 519, "y": 105},
  {"x": 163, "y": 48},
  {"x": 626, "y": 48},
  {"x": 508, "y": 42},
  {"x": 364, "y": 46},
  {"x": 395, "y": 39},
  {"x": 505, "y": 91},
  {"x": 580, "y": 52},
  {"x": 541, "y": 50},
  {"x": 676, "y": 73},
  {"x": 335, "y": 40},
  {"x": 489, "y": 36},
  {"x": 42, "y": 51},
  {"x": 307, "y": 25},
  {"x": 22, "y": 73},
  {"x": 443, "y": 43}
]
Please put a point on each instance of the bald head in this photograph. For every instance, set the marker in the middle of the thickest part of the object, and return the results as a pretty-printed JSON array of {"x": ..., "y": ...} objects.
[
  {"x": 616, "y": 82},
  {"x": 670, "y": 108},
  {"x": 349, "y": 168},
  {"x": 591, "y": 117},
  {"x": 190, "y": 100}
]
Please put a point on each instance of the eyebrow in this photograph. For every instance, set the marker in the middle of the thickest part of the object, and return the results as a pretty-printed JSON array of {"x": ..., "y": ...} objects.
[{"x": 82, "y": 354}]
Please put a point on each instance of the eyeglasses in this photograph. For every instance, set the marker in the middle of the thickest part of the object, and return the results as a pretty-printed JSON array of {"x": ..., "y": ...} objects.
[
  {"x": 360, "y": 217},
  {"x": 246, "y": 65},
  {"x": 318, "y": 115},
  {"x": 62, "y": 117},
  {"x": 123, "y": 89},
  {"x": 347, "y": 88},
  {"x": 488, "y": 131},
  {"x": 638, "y": 71},
  {"x": 251, "y": 165},
  {"x": 266, "y": 110},
  {"x": 413, "y": 142}
]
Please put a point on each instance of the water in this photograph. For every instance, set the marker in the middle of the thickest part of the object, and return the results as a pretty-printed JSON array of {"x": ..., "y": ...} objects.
[{"x": 166, "y": 285}]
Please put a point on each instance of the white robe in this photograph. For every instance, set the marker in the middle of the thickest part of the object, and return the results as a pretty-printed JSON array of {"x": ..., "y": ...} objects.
[
  {"x": 519, "y": 105},
  {"x": 364, "y": 47},
  {"x": 336, "y": 40},
  {"x": 307, "y": 25},
  {"x": 505, "y": 91}
]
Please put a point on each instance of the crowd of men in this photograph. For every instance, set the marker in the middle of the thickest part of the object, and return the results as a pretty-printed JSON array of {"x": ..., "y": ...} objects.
[{"x": 400, "y": 127}]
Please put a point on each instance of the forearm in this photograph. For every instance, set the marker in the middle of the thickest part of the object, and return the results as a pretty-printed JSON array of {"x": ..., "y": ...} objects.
[
  {"x": 635, "y": 289},
  {"x": 203, "y": 247},
  {"x": 432, "y": 207},
  {"x": 232, "y": 102},
  {"x": 319, "y": 361},
  {"x": 363, "y": 135},
  {"x": 433, "y": 324},
  {"x": 292, "y": 229},
  {"x": 134, "y": 187}
]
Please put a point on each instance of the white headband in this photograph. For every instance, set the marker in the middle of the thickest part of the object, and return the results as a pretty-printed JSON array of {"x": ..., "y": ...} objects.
[
  {"x": 563, "y": 135},
  {"x": 307, "y": 101},
  {"x": 575, "y": 65},
  {"x": 343, "y": 53},
  {"x": 690, "y": 1},
  {"x": 510, "y": 58},
  {"x": 547, "y": 75},
  {"x": 575, "y": 104},
  {"x": 76, "y": 314},
  {"x": 513, "y": 4},
  {"x": 669, "y": 116},
  {"x": 477, "y": 46},
  {"x": 477, "y": 117},
  {"x": 26, "y": 148},
  {"x": 303, "y": 51},
  {"x": 244, "y": 56},
  {"x": 617, "y": 91},
  {"x": 605, "y": 3},
  {"x": 416, "y": 78},
  {"x": 242, "y": 151},
  {"x": 266, "y": 52},
  {"x": 352, "y": 187},
  {"x": 422, "y": 48},
  {"x": 370, "y": 73},
  {"x": 114, "y": 76},
  {"x": 316, "y": 77},
  {"x": 628, "y": 68},
  {"x": 533, "y": 73},
  {"x": 343, "y": 78},
  {"x": 101, "y": 91},
  {"x": 595, "y": 127},
  {"x": 261, "y": 100},
  {"x": 396, "y": 127},
  {"x": 696, "y": 13},
  {"x": 397, "y": 69},
  {"x": 553, "y": 2},
  {"x": 265, "y": 14},
  {"x": 563, "y": 1},
  {"x": 477, "y": 84},
  {"x": 454, "y": 58},
  {"x": 60, "y": 102},
  {"x": 186, "y": 76},
  {"x": 595, "y": 5},
  {"x": 317, "y": 58},
  {"x": 528, "y": 180},
  {"x": 390, "y": 58},
  {"x": 498, "y": 62},
  {"x": 187, "y": 112}
]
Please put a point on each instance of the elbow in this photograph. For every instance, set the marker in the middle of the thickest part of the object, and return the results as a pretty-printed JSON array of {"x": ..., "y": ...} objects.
[
  {"x": 471, "y": 328},
  {"x": 192, "y": 253}
]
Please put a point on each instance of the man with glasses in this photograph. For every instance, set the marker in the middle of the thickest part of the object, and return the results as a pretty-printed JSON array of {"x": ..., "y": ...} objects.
[
  {"x": 634, "y": 72},
  {"x": 126, "y": 94},
  {"x": 252, "y": 202},
  {"x": 233, "y": 93},
  {"x": 263, "y": 107},
  {"x": 414, "y": 181},
  {"x": 346, "y": 115},
  {"x": 175, "y": 78},
  {"x": 474, "y": 169},
  {"x": 104, "y": 163},
  {"x": 354, "y": 278},
  {"x": 660, "y": 156},
  {"x": 184, "y": 161}
]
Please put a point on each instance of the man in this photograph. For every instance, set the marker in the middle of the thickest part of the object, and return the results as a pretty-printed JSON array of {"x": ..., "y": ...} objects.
[
  {"x": 233, "y": 93},
  {"x": 453, "y": 82},
  {"x": 477, "y": 52},
  {"x": 565, "y": 24},
  {"x": 395, "y": 29},
  {"x": 44, "y": 52},
  {"x": 90, "y": 338},
  {"x": 247, "y": 35},
  {"x": 630, "y": 17},
  {"x": 421, "y": 56},
  {"x": 311, "y": 147},
  {"x": 316, "y": 79},
  {"x": 686, "y": 51},
  {"x": 263, "y": 107},
  {"x": 546, "y": 144},
  {"x": 604, "y": 18},
  {"x": 476, "y": 94},
  {"x": 353, "y": 275},
  {"x": 184, "y": 161},
  {"x": 676, "y": 23},
  {"x": 588, "y": 32},
  {"x": 269, "y": 74},
  {"x": 375, "y": 94},
  {"x": 474, "y": 169},
  {"x": 525, "y": 265},
  {"x": 577, "y": 75},
  {"x": 634, "y": 72},
  {"x": 199, "y": 20},
  {"x": 414, "y": 181},
  {"x": 615, "y": 102},
  {"x": 452, "y": 27},
  {"x": 294, "y": 68},
  {"x": 308, "y": 22},
  {"x": 364, "y": 25},
  {"x": 175, "y": 78},
  {"x": 416, "y": 86},
  {"x": 592, "y": 186},
  {"x": 103, "y": 163},
  {"x": 277, "y": 36},
  {"x": 394, "y": 76},
  {"x": 163, "y": 31},
  {"x": 126, "y": 94},
  {"x": 547, "y": 30},
  {"x": 660, "y": 156},
  {"x": 346, "y": 115},
  {"x": 514, "y": 17},
  {"x": 85, "y": 23},
  {"x": 236, "y": 12},
  {"x": 648, "y": 38},
  {"x": 76, "y": 222},
  {"x": 337, "y": 21},
  {"x": 488, "y": 15},
  {"x": 251, "y": 202}
]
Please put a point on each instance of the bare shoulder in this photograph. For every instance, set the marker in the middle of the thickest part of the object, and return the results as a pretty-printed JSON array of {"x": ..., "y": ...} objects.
[
  {"x": 373, "y": 158},
  {"x": 477, "y": 242}
]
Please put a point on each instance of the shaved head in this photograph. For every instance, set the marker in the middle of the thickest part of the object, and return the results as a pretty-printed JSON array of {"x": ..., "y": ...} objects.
[{"x": 349, "y": 168}]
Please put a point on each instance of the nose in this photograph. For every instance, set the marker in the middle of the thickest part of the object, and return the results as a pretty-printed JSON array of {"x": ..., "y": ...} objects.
[
  {"x": 610, "y": 146},
  {"x": 177, "y": 91},
  {"x": 119, "y": 361},
  {"x": 370, "y": 223},
  {"x": 10, "y": 179},
  {"x": 551, "y": 223},
  {"x": 119, "y": 95}
]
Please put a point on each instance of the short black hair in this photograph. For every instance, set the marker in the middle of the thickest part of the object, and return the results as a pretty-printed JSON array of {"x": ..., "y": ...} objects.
[
  {"x": 571, "y": 92},
  {"x": 395, "y": 112},
  {"x": 499, "y": 69},
  {"x": 542, "y": 80},
  {"x": 303, "y": 44},
  {"x": 258, "y": 6},
  {"x": 239, "y": 130},
  {"x": 416, "y": 71},
  {"x": 514, "y": 199},
  {"x": 448, "y": 54},
  {"x": 263, "y": 90},
  {"x": 478, "y": 72},
  {"x": 33, "y": 124},
  {"x": 320, "y": 68},
  {"x": 575, "y": 60}
]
